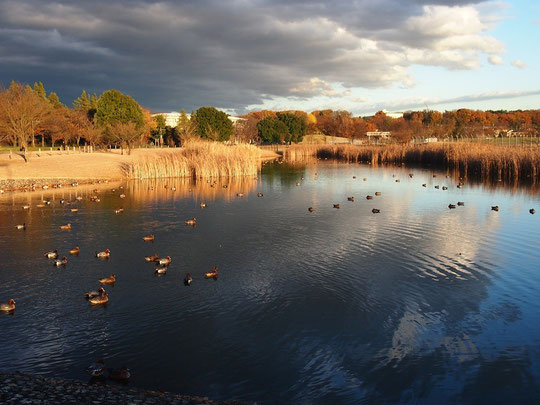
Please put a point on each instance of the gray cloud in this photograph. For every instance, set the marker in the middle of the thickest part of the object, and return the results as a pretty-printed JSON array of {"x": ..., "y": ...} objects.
[{"x": 170, "y": 55}]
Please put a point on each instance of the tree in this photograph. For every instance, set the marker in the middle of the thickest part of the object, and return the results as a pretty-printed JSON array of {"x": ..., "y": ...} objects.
[
  {"x": 272, "y": 130},
  {"x": 160, "y": 128},
  {"x": 296, "y": 126},
  {"x": 212, "y": 123},
  {"x": 113, "y": 107},
  {"x": 246, "y": 130},
  {"x": 22, "y": 110},
  {"x": 124, "y": 134},
  {"x": 82, "y": 102},
  {"x": 40, "y": 90},
  {"x": 54, "y": 100}
]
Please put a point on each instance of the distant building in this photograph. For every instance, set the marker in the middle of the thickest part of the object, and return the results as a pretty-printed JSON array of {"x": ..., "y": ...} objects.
[
  {"x": 378, "y": 134},
  {"x": 171, "y": 118}
]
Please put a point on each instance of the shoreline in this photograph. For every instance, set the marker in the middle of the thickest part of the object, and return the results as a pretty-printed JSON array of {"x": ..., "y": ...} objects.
[
  {"x": 61, "y": 170},
  {"x": 16, "y": 387}
]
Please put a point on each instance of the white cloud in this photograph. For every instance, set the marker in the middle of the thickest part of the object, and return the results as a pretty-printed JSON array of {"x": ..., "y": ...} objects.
[
  {"x": 519, "y": 64},
  {"x": 495, "y": 60}
]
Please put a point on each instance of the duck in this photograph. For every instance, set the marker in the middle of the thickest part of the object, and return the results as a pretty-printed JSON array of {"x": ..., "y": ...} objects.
[
  {"x": 52, "y": 255},
  {"x": 122, "y": 195},
  {"x": 424, "y": 185},
  {"x": 212, "y": 273},
  {"x": 23, "y": 226},
  {"x": 354, "y": 177},
  {"x": 100, "y": 299},
  {"x": 164, "y": 261},
  {"x": 78, "y": 198},
  {"x": 108, "y": 280},
  {"x": 26, "y": 207},
  {"x": 10, "y": 306},
  {"x": 369, "y": 197},
  {"x": 460, "y": 203},
  {"x": 459, "y": 186},
  {"x": 434, "y": 175},
  {"x": 74, "y": 210},
  {"x": 149, "y": 238},
  {"x": 437, "y": 187},
  {"x": 378, "y": 193},
  {"x": 297, "y": 184},
  {"x": 397, "y": 180},
  {"x": 239, "y": 194},
  {"x": 532, "y": 211},
  {"x": 93, "y": 294},
  {"x": 364, "y": 179},
  {"x": 104, "y": 255},
  {"x": 118, "y": 210},
  {"x": 350, "y": 198},
  {"x": 122, "y": 374},
  {"x": 451, "y": 206},
  {"x": 152, "y": 258},
  {"x": 336, "y": 206},
  {"x": 259, "y": 194},
  {"x": 60, "y": 262},
  {"x": 97, "y": 369},
  {"x": 375, "y": 210},
  {"x": 40, "y": 205},
  {"x": 188, "y": 279},
  {"x": 311, "y": 209},
  {"x": 161, "y": 270},
  {"x": 202, "y": 205},
  {"x": 62, "y": 201},
  {"x": 75, "y": 250},
  {"x": 173, "y": 188},
  {"x": 411, "y": 175},
  {"x": 192, "y": 221},
  {"x": 495, "y": 208},
  {"x": 445, "y": 188},
  {"x": 66, "y": 227}
]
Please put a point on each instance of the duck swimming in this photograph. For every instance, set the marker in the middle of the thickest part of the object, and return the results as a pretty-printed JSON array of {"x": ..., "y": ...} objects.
[
  {"x": 350, "y": 198},
  {"x": 123, "y": 374},
  {"x": 152, "y": 258},
  {"x": 495, "y": 208},
  {"x": 97, "y": 369},
  {"x": 532, "y": 211},
  {"x": 212, "y": 273},
  {"x": 202, "y": 205},
  {"x": 164, "y": 261},
  {"x": 21, "y": 227},
  {"x": 192, "y": 221},
  {"x": 52, "y": 255},
  {"x": 104, "y": 255},
  {"x": 108, "y": 280},
  {"x": 336, "y": 205},
  {"x": 378, "y": 193},
  {"x": 60, "y": 262},
  {"x": 311, "y": 209},
  {"x": 94, "y": 294},
  {"x": 10, "y": 306},
  {"x": 161, "y": 270},
  {"x": 375, "y": 210},
  {"x": 259, "y": 194},
  {"x": 100, "y": 299},
  {"x": 75, "y": 251},
  {"x": 188, "y": 280},
  {"x": 66, "y": 227},
  {"x": 460, "y": 203},
  {"x": 451, "y": 206},
  {"x": 149, "y": 238}
]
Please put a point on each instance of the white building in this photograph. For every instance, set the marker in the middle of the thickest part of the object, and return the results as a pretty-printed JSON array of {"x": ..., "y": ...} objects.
[{"x": 171, "y": 118}]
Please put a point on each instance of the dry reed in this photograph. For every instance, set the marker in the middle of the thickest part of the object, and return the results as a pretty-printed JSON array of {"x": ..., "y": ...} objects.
[
  {"x": 469, "y": 158},
  {"x": 199, "y": 160}
]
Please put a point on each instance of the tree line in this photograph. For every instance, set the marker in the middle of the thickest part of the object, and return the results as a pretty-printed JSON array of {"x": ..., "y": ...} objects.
[{"x": 31, "y": 117}]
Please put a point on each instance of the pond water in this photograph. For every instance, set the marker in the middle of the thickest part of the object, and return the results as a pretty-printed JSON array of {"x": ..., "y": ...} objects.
[{"x": 418, "y": 303}]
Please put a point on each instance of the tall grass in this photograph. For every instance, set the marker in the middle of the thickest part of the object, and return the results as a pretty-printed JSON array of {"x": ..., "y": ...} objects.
[
  {"x": 469, "y": 158},
  {"x": 198, "y": 160}
]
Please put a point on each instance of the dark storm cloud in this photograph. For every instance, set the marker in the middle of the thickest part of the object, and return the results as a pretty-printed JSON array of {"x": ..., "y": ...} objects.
[{"x": 170, "y": 55}]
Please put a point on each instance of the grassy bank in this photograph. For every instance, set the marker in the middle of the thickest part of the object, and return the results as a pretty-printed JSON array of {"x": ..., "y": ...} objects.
[
  {"x": 198, "y": 159},
  {"x": 469, "y": 158}
]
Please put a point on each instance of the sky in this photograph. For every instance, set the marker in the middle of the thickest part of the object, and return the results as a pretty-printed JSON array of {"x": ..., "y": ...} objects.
[{"x": 246, "y": 55}]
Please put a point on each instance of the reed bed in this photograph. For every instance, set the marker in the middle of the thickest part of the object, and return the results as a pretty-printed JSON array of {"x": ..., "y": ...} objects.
[
  {"x": 493, "y": 161},
  {"x": 199, "y": 160}
]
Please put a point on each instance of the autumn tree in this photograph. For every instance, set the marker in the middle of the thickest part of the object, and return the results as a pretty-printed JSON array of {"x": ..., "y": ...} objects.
[
  {"x": 22, "y": 110},
  {"x": 124, "y": 134}
]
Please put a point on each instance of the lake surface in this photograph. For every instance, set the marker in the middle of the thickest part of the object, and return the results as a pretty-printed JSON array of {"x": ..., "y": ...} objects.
[{"x": 419, "y": 303}]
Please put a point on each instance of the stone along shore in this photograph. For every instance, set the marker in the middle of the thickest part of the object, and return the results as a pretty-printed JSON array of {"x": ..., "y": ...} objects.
[{"x": 18, "y": 388}]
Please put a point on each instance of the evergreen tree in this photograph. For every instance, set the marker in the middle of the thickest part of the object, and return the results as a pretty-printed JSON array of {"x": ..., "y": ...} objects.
[
  {"x": 82, "y": 102},
  {"x": 213, "y": 124},
  {"x": 54, "y": 100},
  {"x": 114, "y": 107},
  {"x": 40, "y": 90}
]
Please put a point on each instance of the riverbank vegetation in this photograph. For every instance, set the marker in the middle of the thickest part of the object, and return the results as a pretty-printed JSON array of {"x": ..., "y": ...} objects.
[
  {"x": 198, "y": 159},
  {"x": 484, "y": 160}
]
